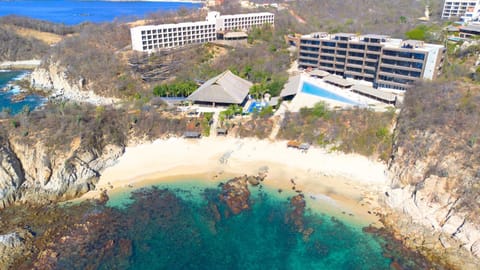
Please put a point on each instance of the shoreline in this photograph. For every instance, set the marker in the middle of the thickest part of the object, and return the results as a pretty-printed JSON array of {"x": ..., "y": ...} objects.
[
  {"x": 342, "y": 185},
  {"x": 20, "y": 65}
]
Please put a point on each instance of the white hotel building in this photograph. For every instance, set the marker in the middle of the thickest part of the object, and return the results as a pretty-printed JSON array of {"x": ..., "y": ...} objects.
[
  {"x": 459, "y": 8},
  {"x": 149, "y": 38}
]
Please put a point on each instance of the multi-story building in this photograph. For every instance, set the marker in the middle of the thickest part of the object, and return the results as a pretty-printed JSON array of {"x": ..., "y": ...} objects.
[
  {"x": 154, "y": 37},
  {"x": 244, "y": 22},
  {"x": 381, "y": 60},
  {"x": 458, "y": 8},
  {"x": 149, "y": 38}
]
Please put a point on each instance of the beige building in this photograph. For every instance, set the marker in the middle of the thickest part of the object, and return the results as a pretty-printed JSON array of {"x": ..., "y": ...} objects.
[{"x": 381, "y": 60}]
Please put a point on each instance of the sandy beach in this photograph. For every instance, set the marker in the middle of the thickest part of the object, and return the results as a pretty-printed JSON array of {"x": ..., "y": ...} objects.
[
  {"x": 344, "y": 185},
  {"x": 26, "y": 64}
]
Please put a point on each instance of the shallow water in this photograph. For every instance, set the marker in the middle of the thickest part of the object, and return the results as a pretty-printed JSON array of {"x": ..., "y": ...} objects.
[
  {"x": 6, "y": 103},
  {"x": 259, "y": 238}
]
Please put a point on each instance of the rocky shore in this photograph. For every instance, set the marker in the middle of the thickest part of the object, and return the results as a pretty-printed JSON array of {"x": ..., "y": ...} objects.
[
  {"x": 32, "y": 174},
  {"x": 54, "y": 79},
  {"x": 20, "y": 65}
]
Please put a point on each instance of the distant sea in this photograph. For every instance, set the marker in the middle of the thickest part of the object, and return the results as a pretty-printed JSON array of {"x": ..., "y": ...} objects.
[
  {"x": 72, "y": 12},
  {"x": 6, "y": 103}
]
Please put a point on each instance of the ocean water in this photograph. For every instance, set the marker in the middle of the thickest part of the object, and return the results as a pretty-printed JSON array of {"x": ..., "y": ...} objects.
[
  {"x": 6, "y": 102},
  {"x": 182, "y": 232},
  {"x": 72, "y": 12}
]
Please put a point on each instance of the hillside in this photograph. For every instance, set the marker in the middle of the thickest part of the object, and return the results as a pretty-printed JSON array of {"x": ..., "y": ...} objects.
[
  {"x": 435, "y": 169},
  {"x": 24, "y": 38}
]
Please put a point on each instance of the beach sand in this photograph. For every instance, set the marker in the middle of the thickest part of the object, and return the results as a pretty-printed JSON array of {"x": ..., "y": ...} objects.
[{"x": 342, "y": 185}]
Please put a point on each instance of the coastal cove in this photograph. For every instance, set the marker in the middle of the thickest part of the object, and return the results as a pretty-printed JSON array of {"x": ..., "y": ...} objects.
[
  {"x": 341, "y": 184},
  {"x": 220, "y": 240}
]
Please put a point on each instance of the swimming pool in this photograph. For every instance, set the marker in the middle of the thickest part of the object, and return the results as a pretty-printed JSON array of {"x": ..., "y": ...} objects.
[
  {"x": 256, "y": 106},
  {"x": 311, "y": 89}
]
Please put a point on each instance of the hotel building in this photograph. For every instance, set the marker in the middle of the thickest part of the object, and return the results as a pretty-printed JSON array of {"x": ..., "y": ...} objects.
[
  {"x": 149, "y": 38},
  {"x": 243, "y": 22},
  {"x": 458, "y": 8},
  {"x": 381, "y": 60}
]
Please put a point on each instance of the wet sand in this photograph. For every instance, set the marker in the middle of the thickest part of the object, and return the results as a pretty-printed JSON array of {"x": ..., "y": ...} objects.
[{"x": 342, "y": 185}]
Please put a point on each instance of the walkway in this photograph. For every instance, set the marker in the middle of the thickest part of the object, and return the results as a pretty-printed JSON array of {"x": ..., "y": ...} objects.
[
  {"x": 213, "y": 127},
  {"x": 278, "y": 119}
]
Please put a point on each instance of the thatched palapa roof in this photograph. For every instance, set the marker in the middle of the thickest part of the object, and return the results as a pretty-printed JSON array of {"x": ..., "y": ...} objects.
[
  {"x": 291, "y": 87},
  {"x": 225, "y": 88}
]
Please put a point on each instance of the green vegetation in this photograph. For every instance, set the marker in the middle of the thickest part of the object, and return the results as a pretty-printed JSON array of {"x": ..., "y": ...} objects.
[
  {"x": 273, "y": 87},
  {"x": 360, "y": 130},
  {"x": 58, "y": 125},
  {"x": 206, "y": 122},
  {"x": 438, "y": 126},
  {"x": 428, "y": 33},
  {"x": 343, "y": 16},
  {"x": 14, "y": 47},
  {"x": 230, "y": 112},
  {"x": 177, "y": 89}
]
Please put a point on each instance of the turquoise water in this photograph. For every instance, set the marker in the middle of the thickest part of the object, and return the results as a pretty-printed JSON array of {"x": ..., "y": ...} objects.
[
  {"x": 6, "y": 103},
  {"x": 72, "y": 12},
  {"x": 256, "y": 106},
  {"x": 311, "y": 89},
  {"x": 184, "y": 233}
]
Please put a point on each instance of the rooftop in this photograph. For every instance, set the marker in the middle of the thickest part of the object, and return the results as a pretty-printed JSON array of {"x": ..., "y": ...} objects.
[
  {"x": 224, "y": 88},
  {"x": 374, "y": 92},
  {"x": 291, "y": 87},
  {"x": 470, "y": 27},
  {"x": 332, "y": 79}
]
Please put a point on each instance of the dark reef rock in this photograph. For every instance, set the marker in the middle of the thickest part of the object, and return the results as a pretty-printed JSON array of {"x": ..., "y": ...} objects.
[
  {"x": 295, "y": 216},
  {"x": 236, "y": 195}
]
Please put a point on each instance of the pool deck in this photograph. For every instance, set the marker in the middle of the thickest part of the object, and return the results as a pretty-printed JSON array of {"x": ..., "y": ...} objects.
[{"x": 307, "y": 100}]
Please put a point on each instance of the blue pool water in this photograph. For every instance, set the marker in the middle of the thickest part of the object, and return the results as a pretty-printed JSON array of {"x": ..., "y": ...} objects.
[
  {"x": 311, "y": 89},
  {"x": 72, "y": 12},
  {"x": 6, "y": 103},
  {"x": 256, "y": 106}
]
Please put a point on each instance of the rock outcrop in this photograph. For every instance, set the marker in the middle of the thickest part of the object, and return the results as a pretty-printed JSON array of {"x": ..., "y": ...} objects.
[
  {"x": 235, "y": 194},
  {"x": 12, "y": 245},
  {"x": 425, "y": 204},
  {"x": 55, "y": 79},
  {"x": 33, "y": 174}
]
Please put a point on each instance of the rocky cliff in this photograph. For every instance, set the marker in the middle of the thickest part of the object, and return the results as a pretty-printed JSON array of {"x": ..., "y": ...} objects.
[
  {"x": 30, "y": 173},
  {"x": 434, "y": 194},
  {"x": 55, "y": 79}
]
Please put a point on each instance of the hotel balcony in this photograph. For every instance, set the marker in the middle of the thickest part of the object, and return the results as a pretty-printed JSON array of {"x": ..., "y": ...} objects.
[
  {"x": 306, "y": 57},
  {"x": 400, "y": 76},
  {"x": 354, "y": 65},
  {"x": 354, "y": 73},
  {"x": 406, "y": 68},
  {"x": 391, "y": 83},
  {"x": 392, "y": 57},
  {"x": 356, "y": 50},
  {"x": 355, "y": 58}
]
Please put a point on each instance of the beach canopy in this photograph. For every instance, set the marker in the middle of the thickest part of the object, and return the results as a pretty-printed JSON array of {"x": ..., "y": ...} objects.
[
  {"x": 291, "y": 87},
  {"x": 192, "y": 134},
  {"x": 226, "y": 88},
  {"x": 337, "y": 81},
  {"x": 374, "y": 93},
  {"x": 319, "y": 73}
]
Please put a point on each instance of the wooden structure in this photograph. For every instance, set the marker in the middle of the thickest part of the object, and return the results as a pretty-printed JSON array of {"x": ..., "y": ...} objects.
[
  {"x": 222, "y": 131},
  {"x": 192, "y": 135},
  {"x": 293, "y": 144}
]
